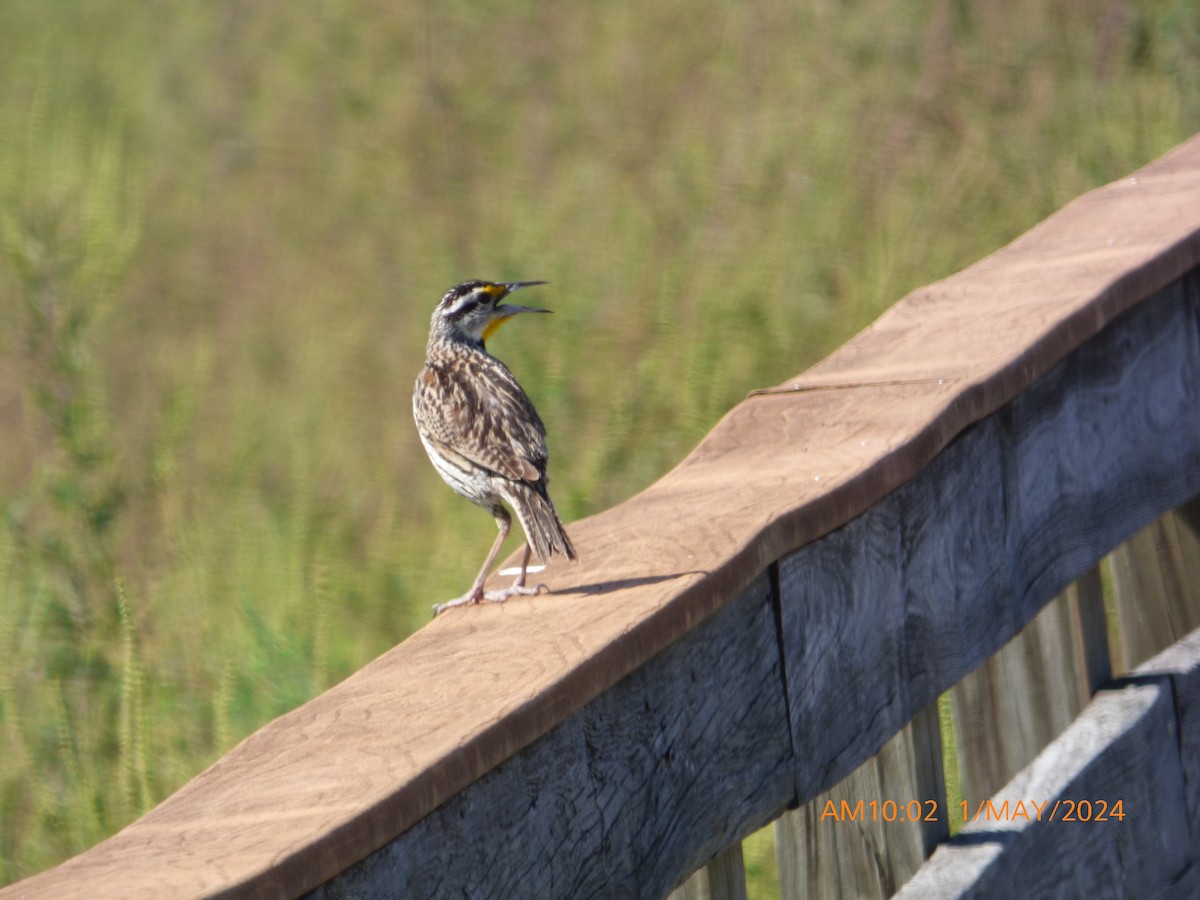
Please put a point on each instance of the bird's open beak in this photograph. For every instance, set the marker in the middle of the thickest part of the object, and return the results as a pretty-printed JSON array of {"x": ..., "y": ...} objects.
[
  {"x": 504, "y": 310},
  {"x": 517, "y": 285}
]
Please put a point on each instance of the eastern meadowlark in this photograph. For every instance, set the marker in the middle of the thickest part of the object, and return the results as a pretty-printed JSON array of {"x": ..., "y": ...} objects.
[{"x": 481, "y": 431}]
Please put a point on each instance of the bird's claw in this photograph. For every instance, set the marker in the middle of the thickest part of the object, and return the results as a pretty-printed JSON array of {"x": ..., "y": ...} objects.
[
  {"x": 439, "y": 608},
  {"x": 513, "y": 590}
]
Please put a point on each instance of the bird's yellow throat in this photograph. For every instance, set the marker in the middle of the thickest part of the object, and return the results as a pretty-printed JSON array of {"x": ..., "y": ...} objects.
[{"x": 493, "y": 326}]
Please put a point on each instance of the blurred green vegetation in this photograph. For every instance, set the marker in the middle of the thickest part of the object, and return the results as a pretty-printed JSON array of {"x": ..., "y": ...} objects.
[{"x": 223, "y": 227}]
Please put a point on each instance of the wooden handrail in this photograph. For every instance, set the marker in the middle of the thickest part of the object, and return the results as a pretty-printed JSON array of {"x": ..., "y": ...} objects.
[{"x": 684, "y": 578}]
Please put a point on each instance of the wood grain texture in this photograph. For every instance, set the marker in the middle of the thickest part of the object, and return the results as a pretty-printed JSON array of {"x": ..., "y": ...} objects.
[
  {"x": 626, "y": 797},
  {"x": 855, "y": 850},
  {"x": 1181, "y": 663},
  {"x": 722, "y": 879},
  {"x": 1138, "y": 742},
  {"x": 1011, "y": 707},
  {"x": 1156, "y": 582},
  {"x": 321, "y": 787},
  {"x": 1056, "y": 516},
  {"x": 885, "y": 613},
  {"x": 1091, "y": 630}
]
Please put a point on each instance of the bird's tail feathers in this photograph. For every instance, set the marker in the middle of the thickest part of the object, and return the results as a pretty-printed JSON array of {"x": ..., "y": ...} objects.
[{"x": 543, "y": 529}]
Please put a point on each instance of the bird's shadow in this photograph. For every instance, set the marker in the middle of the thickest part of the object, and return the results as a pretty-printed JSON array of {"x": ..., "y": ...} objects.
[{"x": 620, "y": 584}]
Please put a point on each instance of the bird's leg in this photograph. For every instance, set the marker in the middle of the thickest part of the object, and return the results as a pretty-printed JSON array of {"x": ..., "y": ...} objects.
[
  {"x": 475, "y": 594},
  {"x": 518, "y": 585},
  {"x": 519, "y": 582}
]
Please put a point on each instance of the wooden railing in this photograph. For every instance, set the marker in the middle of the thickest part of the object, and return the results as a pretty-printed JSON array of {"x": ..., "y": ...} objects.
[{"x": 776, "y": 619}]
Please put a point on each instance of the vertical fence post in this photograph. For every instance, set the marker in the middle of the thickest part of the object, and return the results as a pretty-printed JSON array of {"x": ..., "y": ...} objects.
[
  {"x": 1018, "y": 701},
  {"x": 722, "y": 879},
  {"x": 871, "y": 832},
  {"x": 1156, "y": 584},
  {"x": 1086, "y": 597}
]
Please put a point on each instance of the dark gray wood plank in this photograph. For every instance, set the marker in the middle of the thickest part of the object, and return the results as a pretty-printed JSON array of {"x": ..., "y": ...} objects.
[
  {"x": 1094, "y": 445},
  {"x": 1181, "y": 663},
  {"x": 654, "y": 778},
  {"x": 1138, "y": 743},
  {"x": 883, "y": 614},
  {"x": 1091, "y": 630},
  {"x": 929, "y": 778}
]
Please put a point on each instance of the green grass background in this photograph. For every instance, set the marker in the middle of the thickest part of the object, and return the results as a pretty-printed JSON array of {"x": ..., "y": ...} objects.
[{"x": 223, "y": 226}]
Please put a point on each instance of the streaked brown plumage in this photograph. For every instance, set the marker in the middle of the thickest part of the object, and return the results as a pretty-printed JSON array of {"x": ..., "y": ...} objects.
[{"x": 481, "y": 431}]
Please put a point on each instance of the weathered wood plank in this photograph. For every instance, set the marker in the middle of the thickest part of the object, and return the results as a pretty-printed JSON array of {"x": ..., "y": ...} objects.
[
  {"x": 1156, "y": 580},
  {"x": 1138, "y": 743},
  {"x": 654, "y": 778},
  {"x": 871, "y": 832},
  {"x": 1017, "y": 702},
  {"x": 1181, "y": 663},
  {"x": 722, "y": 879},
  {"x": 929, "y": 781},
  {"x": 1091, "y": 630},
  {"x": 882, "y": 615},
  {"x": 1123, "y": 749},
  {"x": 1125, "y": 428}
]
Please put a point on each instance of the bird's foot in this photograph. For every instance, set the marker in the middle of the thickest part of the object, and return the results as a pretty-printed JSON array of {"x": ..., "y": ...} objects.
[
  {"x": 473, "y": 596},
  {"x": 516, "y": 589}
]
